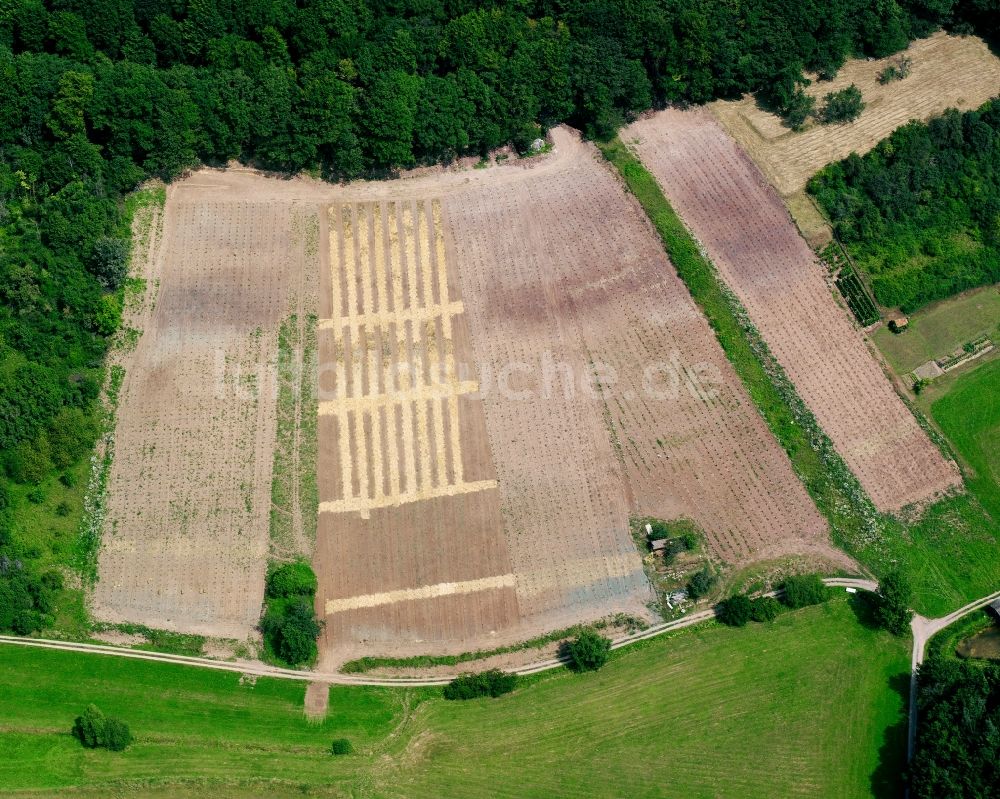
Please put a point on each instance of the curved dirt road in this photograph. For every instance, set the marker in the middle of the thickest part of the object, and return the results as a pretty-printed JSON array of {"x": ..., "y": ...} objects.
[{"x": 258, "y": 669}]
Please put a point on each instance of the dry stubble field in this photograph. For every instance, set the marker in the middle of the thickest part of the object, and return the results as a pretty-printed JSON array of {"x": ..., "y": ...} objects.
[
  {"x": 947, "y": 72},
  {"x": 749, "y": 236},
  {"x": 508, "y": 369},
  {"x": 186, "y": 534}
]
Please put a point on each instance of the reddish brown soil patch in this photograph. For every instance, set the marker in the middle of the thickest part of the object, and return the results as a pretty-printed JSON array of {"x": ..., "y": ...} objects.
[{"x": 750, "y": 238}]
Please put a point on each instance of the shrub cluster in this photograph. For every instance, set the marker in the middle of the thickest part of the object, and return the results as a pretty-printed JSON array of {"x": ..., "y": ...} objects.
[
  {"x": 341, "y": 746},
  {"x": 701, "y": 583},
  {"x": 290, "y": 627},
  {"x": 95, "y": 730},
  {"x": 488, "y": 683},
  {"x": 802, "y": 590},
  {"x": 739, "y": 609},
  {"x": 588, "y": 651}
]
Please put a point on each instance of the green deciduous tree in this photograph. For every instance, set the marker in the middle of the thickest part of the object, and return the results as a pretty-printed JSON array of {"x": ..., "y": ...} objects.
[
  {"x": 801, "y": 590},
  {"x": 588, "y": 651},
  {"x": 892, "y": 603},
  {"x": 735, "y": 611}
]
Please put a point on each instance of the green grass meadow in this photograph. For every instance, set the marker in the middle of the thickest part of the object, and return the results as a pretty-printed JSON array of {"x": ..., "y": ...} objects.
[
  {"x": 941, "y": 328},
  {"x": 810, "y": 705},
  {"x": 969, "y": 414}
]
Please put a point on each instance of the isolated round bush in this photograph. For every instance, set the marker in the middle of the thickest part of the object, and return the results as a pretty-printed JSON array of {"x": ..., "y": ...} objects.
[
  {"x": 764, "y": 608},
  {"x": 588, "y": 651},
  {"x": 805, "y": 589},
  {"x": 341, "y": 746}
]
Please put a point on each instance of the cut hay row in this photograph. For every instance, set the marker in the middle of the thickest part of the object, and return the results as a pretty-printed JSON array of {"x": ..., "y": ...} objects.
[
  {"x": 396, "y": 386},
  {"x": 410, "y": 550}
]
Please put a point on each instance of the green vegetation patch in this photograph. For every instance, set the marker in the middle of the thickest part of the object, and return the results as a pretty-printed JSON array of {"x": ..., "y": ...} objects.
[
  {"x": 969, "y": 414},
  {"x": 920, "y": 213},
  {"x": 290, "y": 626},
  {"x": 942, "y": 328},
  {"x": 803, "y": 704}
]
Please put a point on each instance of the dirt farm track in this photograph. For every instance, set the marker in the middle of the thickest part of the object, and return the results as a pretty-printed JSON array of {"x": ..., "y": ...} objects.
[{"x": 509, "y": 369}]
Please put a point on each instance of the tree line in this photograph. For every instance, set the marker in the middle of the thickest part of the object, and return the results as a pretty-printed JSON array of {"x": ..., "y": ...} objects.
[{"x": 98, "y": 95}]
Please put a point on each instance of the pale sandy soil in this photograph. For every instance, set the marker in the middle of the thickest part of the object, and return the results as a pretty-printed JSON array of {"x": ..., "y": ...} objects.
[{"x": 947, "y": 72}]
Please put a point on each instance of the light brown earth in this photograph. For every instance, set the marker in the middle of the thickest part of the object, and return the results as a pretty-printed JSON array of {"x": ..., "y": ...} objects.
[
  {"x": 461, "y": 505},
  {"x": 947, "y": 72},
  {"x": 185, "y": 538},
  {"x": 749, "y": 236}
]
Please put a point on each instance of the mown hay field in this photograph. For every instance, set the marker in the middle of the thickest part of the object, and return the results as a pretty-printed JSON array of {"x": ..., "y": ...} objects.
[
  {"x": 947, "y": 72},
  {"x": 811, "y": 705}
]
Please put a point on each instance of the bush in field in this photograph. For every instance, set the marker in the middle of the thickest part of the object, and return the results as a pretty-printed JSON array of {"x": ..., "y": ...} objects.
[
  {"x": 892, "y": 603},
  {"x": 588, "y": 651},
  {"x": 800, "y": 107},
  {"x": 341, "y": 746},
  {"x": 95, "y": 730},
  {"x": 291, "y": 631},
  {"x": 701, "y": 583},
  {"x": 291, "y": 579},
  {"x": 488, "y": 683},
  {"x": 735, "y": 611},
  {"x": 843, "y": 106},
  {"x": 805, "y": 589},
  {"x": 764, "y": 608}
]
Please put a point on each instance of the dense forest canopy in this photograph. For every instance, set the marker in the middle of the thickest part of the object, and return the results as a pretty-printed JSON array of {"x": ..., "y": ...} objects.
[
  {"x": 98, "y": 95},
  {"x": 958, "y": 739},
  {"x": 921, "y": 212}
]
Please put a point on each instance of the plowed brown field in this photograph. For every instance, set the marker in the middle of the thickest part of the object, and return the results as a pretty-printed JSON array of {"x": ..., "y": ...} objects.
[
  {"x": 947, "y": 72},
  {"x": 749, "y": 236},
  {"x": 509, "y": 368}
]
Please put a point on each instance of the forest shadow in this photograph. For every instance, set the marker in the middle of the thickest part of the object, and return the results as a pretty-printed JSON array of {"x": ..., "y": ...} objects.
[
  {"x": 888, "y": 780},
  {"x": 863, "y": 606}
]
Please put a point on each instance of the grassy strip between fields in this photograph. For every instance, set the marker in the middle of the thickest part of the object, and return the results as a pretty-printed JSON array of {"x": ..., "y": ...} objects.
[
  {"x": 365, "y": 664},
  {"x": 880, "y": 542}
]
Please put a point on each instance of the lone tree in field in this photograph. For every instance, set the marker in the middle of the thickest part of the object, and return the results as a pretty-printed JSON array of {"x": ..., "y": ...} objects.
[
  {"x": 843, "y": 106},
  {"x": 892, "y": 603},
  {"x": 95, "y": 730},
  {"x": 588, "y": 651}
]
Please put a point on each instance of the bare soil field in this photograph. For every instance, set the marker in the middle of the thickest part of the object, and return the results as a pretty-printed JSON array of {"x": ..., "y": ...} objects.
[
  {"x": 947, "y": 72},
  {"x": 748, "y": 234},
  {"x": 186, "y": 533},
  {"x": 508, "y": 369}
]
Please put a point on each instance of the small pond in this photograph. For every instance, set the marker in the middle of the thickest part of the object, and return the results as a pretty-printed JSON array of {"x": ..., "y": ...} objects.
[{"x": 984, "y": 644}]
